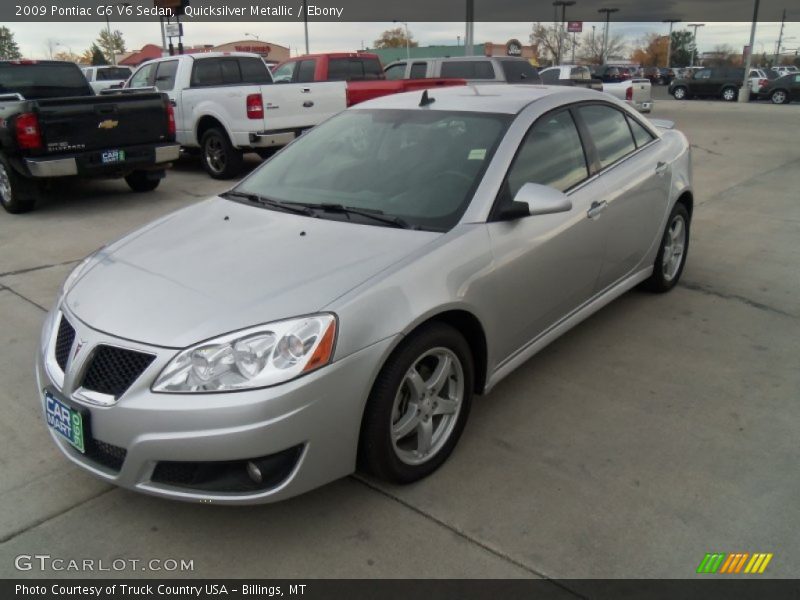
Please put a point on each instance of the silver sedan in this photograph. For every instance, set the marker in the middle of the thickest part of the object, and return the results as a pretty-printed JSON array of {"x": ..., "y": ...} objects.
[{"x": 339, "y": 308}]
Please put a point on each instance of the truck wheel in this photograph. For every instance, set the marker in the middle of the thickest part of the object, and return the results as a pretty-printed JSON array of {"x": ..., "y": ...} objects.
[
  {"x": 729, "y": 94},
  {"x": 17, "y": 193},
  {"x": 140, "y": 181},
  {"x": 220, "y": 159},
  {"x": 679, "y": 93}
]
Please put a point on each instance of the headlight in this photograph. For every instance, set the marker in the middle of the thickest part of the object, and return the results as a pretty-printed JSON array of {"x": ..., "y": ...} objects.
[{"x": 252, "y": 358}]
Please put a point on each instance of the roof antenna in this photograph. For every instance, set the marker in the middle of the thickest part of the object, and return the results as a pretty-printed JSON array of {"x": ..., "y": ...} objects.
[{"x": 425, "y": 101}]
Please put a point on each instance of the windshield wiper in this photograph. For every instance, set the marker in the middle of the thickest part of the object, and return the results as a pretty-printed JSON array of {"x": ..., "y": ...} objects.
[
  {"x": 376, "y": 215},
  {"x": 264, "y": 201}
]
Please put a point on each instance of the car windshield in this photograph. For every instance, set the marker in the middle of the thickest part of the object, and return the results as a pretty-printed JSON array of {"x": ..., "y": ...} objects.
[{"x": 420, "y": 166}]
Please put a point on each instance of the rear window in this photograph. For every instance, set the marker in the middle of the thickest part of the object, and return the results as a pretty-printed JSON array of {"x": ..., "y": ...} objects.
[
  {"x": 418, "y": 70},
  {"x": 520, "y": 71},
  {"x": 582, "y": 73},
  {"x": 117, "y": 73},
  {"x": 354, "y": 69},
  {"x": 43, "y": 80},
  {"x": 468, "y": 69}
]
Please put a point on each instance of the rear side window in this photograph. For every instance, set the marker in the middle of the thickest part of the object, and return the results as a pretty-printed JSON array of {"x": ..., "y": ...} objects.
[
  {"x": 551, "y": 154},
  {"x": 519, "y": 71},
  {"x": 397, "y": 71},
  {"x": 468, "y": 69},
  {"x": 418, "y": 70},
  {"x": 284, "y": 73},
  {"x": 640, "y": 135},
  {"x": 165, "y": 75},
  {"x": 207, "y": 72},
  {"x": 305, "y": 72},
  {"x": 609, "y": 131},
  {"x": 582, "y": 73},
  {"x": 550, "y": 75},
  {"x": 254, "y": 71}
]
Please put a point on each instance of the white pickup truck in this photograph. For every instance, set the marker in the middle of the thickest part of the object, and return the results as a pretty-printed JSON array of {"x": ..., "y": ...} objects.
[
  {"x": 105, "y": 77},
  {"x": 636, "y": 92},
  {"x": 226, "y": 104}
]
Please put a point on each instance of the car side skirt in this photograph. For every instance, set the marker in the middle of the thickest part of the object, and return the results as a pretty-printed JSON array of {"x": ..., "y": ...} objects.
[{"x": 583, "y": 312}]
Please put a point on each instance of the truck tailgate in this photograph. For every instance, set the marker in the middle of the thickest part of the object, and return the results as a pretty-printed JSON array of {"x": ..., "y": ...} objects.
[
  {"x": 642, "y": 91},
  {"x": 102, "y": 122}
]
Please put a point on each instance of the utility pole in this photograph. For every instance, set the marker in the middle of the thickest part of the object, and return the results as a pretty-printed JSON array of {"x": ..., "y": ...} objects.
[
  {"x": 780, "y": 40},
  {"x": 561, "y": 33},
  {"x": 744, "y": 91},
  {"x": 305, "y": 22},
  {"x": 607, "y": 12},
  {"x": 669, "y": 39},
  {"x": 694, "y": 40},
  {"x": 470, "y": 28}
]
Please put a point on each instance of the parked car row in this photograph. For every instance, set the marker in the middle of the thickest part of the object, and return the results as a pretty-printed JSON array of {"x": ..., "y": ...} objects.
[
  {"x": 725, "y": 83},
  {"x": 635, "y": 91}
]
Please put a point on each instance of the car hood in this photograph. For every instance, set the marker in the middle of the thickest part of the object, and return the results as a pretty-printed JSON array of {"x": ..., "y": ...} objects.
[{"x": 220, "y": 266}]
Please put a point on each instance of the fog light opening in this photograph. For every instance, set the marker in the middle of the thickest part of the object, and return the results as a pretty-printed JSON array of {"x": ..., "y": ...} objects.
[{"x": 254, "y": 472}]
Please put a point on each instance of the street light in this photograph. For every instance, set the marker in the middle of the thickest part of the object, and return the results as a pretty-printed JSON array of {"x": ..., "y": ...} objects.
[
  {"x": 608, "y": 12},
  {"x": 694, "y": 39},
  {"x": 563, "y": 4},
  {"x": 108, "y": 31},
  {"x": 669, "y": 39},
  {"x": 408, "y": 51}
]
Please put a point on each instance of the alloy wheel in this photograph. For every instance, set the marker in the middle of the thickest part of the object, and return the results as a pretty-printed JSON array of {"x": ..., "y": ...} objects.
[
  {"x": 427, "y": 405},
  {"x": 729, "y": 94},
  {"x": 215, "y": 154},
  {"x": 674, "y": 247},
  {"x": 679, "y": 93},
  {"x": 779, "y": 97}
]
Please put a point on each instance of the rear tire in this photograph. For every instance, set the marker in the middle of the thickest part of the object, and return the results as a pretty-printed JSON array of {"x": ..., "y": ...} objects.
[
  {"x": 138, "y": 181},
  {"x": 220, "y": 159},
  {"x": 779, "y": 97},
  {"x": 671, "y": 257},
  {"x": 729, "y": 94},
  {"x": 18, "y": 194},
  {"x": 680, "y": 93},
  {"x": 418, "y": 406}
]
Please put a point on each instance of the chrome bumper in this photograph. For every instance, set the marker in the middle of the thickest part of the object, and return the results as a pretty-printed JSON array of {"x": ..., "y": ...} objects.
[{"x": 64, "y": 167}]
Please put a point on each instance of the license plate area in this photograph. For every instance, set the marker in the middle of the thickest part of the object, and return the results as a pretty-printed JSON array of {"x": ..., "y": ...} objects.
[
  {"x": 110, "y": 157},
  {"x": 67, "y": 421}
]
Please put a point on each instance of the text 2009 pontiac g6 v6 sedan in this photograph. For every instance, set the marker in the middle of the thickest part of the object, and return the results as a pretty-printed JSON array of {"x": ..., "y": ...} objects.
[{"x": 343, "y": 303}]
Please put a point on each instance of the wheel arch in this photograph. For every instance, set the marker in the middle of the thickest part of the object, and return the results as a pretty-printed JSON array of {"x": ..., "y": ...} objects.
[
  {"x": 687, "y": 199},
  {"x": 207, "y": 122}
]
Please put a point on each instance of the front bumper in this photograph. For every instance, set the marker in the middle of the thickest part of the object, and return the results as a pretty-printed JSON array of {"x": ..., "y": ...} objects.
[
  {"x": 87, "y": 164},
  {"x": 319, "y": 414}
]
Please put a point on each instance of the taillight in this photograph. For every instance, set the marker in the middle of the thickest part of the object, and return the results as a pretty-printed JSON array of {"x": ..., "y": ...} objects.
[
  {"x": 629, "y": 93},
  {"x": 255, "y": 107},
  {"x": 27, "y": 129},
  {"x": 170, "y": 120},
  {"x": 762, "y": 83}
]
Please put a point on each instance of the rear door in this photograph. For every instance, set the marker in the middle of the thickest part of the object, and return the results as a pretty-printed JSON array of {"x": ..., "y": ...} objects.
[
  {"x": 636, "y": 178},
  {"x": 546, "y": 265}
]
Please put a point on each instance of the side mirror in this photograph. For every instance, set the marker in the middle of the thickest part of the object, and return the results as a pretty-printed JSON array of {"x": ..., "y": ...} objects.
[{"x": 540, "y": 200}]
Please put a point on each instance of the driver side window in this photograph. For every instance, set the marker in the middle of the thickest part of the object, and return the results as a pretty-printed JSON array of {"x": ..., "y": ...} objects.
[
  {"x": 284, "y": 73},
  {"x": 144, "y": 76}
]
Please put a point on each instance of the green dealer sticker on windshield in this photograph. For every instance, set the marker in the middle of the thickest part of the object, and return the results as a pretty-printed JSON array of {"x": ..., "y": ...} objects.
[{"x": 477, "y": 154}]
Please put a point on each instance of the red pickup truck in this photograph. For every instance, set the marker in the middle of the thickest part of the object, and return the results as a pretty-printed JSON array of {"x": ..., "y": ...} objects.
[{"x": 363, "y": 73}]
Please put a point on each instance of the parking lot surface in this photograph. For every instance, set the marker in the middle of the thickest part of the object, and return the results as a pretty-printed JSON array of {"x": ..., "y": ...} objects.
[{"x": 662, "y": 428}]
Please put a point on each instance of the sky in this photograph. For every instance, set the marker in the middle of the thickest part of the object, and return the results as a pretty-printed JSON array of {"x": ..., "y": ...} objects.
[{"x": 328, "y": 37}]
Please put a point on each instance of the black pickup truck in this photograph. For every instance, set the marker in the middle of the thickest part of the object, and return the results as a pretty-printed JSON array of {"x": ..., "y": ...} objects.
[{"x": 53, "y": 125}]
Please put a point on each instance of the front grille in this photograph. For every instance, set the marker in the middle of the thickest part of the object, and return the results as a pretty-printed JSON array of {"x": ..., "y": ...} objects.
[
  {"x": 64, "y": 339},
  {"x": 112, "y": 370},
  {"x": 108, "y": 455}
]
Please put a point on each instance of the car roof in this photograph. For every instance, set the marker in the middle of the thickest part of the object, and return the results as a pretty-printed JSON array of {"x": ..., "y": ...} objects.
[{"x": 496, "y": 98}]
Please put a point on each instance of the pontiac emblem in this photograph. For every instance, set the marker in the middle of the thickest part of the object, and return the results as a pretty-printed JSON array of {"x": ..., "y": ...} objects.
[
  {"x": 107, "y": 124},
  {"x": 78, "y": 347}
]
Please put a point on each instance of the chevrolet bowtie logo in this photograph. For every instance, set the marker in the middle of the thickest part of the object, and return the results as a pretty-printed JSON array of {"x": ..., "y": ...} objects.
[{"x": 107, "y": 124}]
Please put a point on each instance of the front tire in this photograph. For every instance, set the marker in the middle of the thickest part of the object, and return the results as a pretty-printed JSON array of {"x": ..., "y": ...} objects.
[
  {"x": 18, "y": 194},
  {"x": 680, "y": 93},
  {"x": 672, "y": 254},
  {"x": 218, "y": 156},
  {"x": 418, "y": 406},
  {"x": 729, "y": 94}
]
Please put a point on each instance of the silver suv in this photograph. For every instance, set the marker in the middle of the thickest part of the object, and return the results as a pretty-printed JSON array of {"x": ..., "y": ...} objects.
[{"x": 475, "y": 69}]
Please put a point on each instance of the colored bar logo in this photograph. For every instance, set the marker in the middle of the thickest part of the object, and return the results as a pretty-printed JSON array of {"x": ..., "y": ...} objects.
[{"x": 734, "y": 563}]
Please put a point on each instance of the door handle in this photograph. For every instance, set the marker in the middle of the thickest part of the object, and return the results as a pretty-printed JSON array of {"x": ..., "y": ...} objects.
[
  {"x": 306, "y": 90},
  {"x": 596, "y": 209},
  {"x": 308, "y": 104},
  {"x": 661, "y": 167}
]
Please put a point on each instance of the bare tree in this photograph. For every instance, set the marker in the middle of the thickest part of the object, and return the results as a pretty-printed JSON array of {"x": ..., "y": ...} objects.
[
  {"x": 548, "y": 38},
  {"x": 592, "y": 49}
]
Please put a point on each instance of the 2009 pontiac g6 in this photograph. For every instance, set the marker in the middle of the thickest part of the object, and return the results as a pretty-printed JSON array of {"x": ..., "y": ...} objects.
[{"x": 341, "y": 305}]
